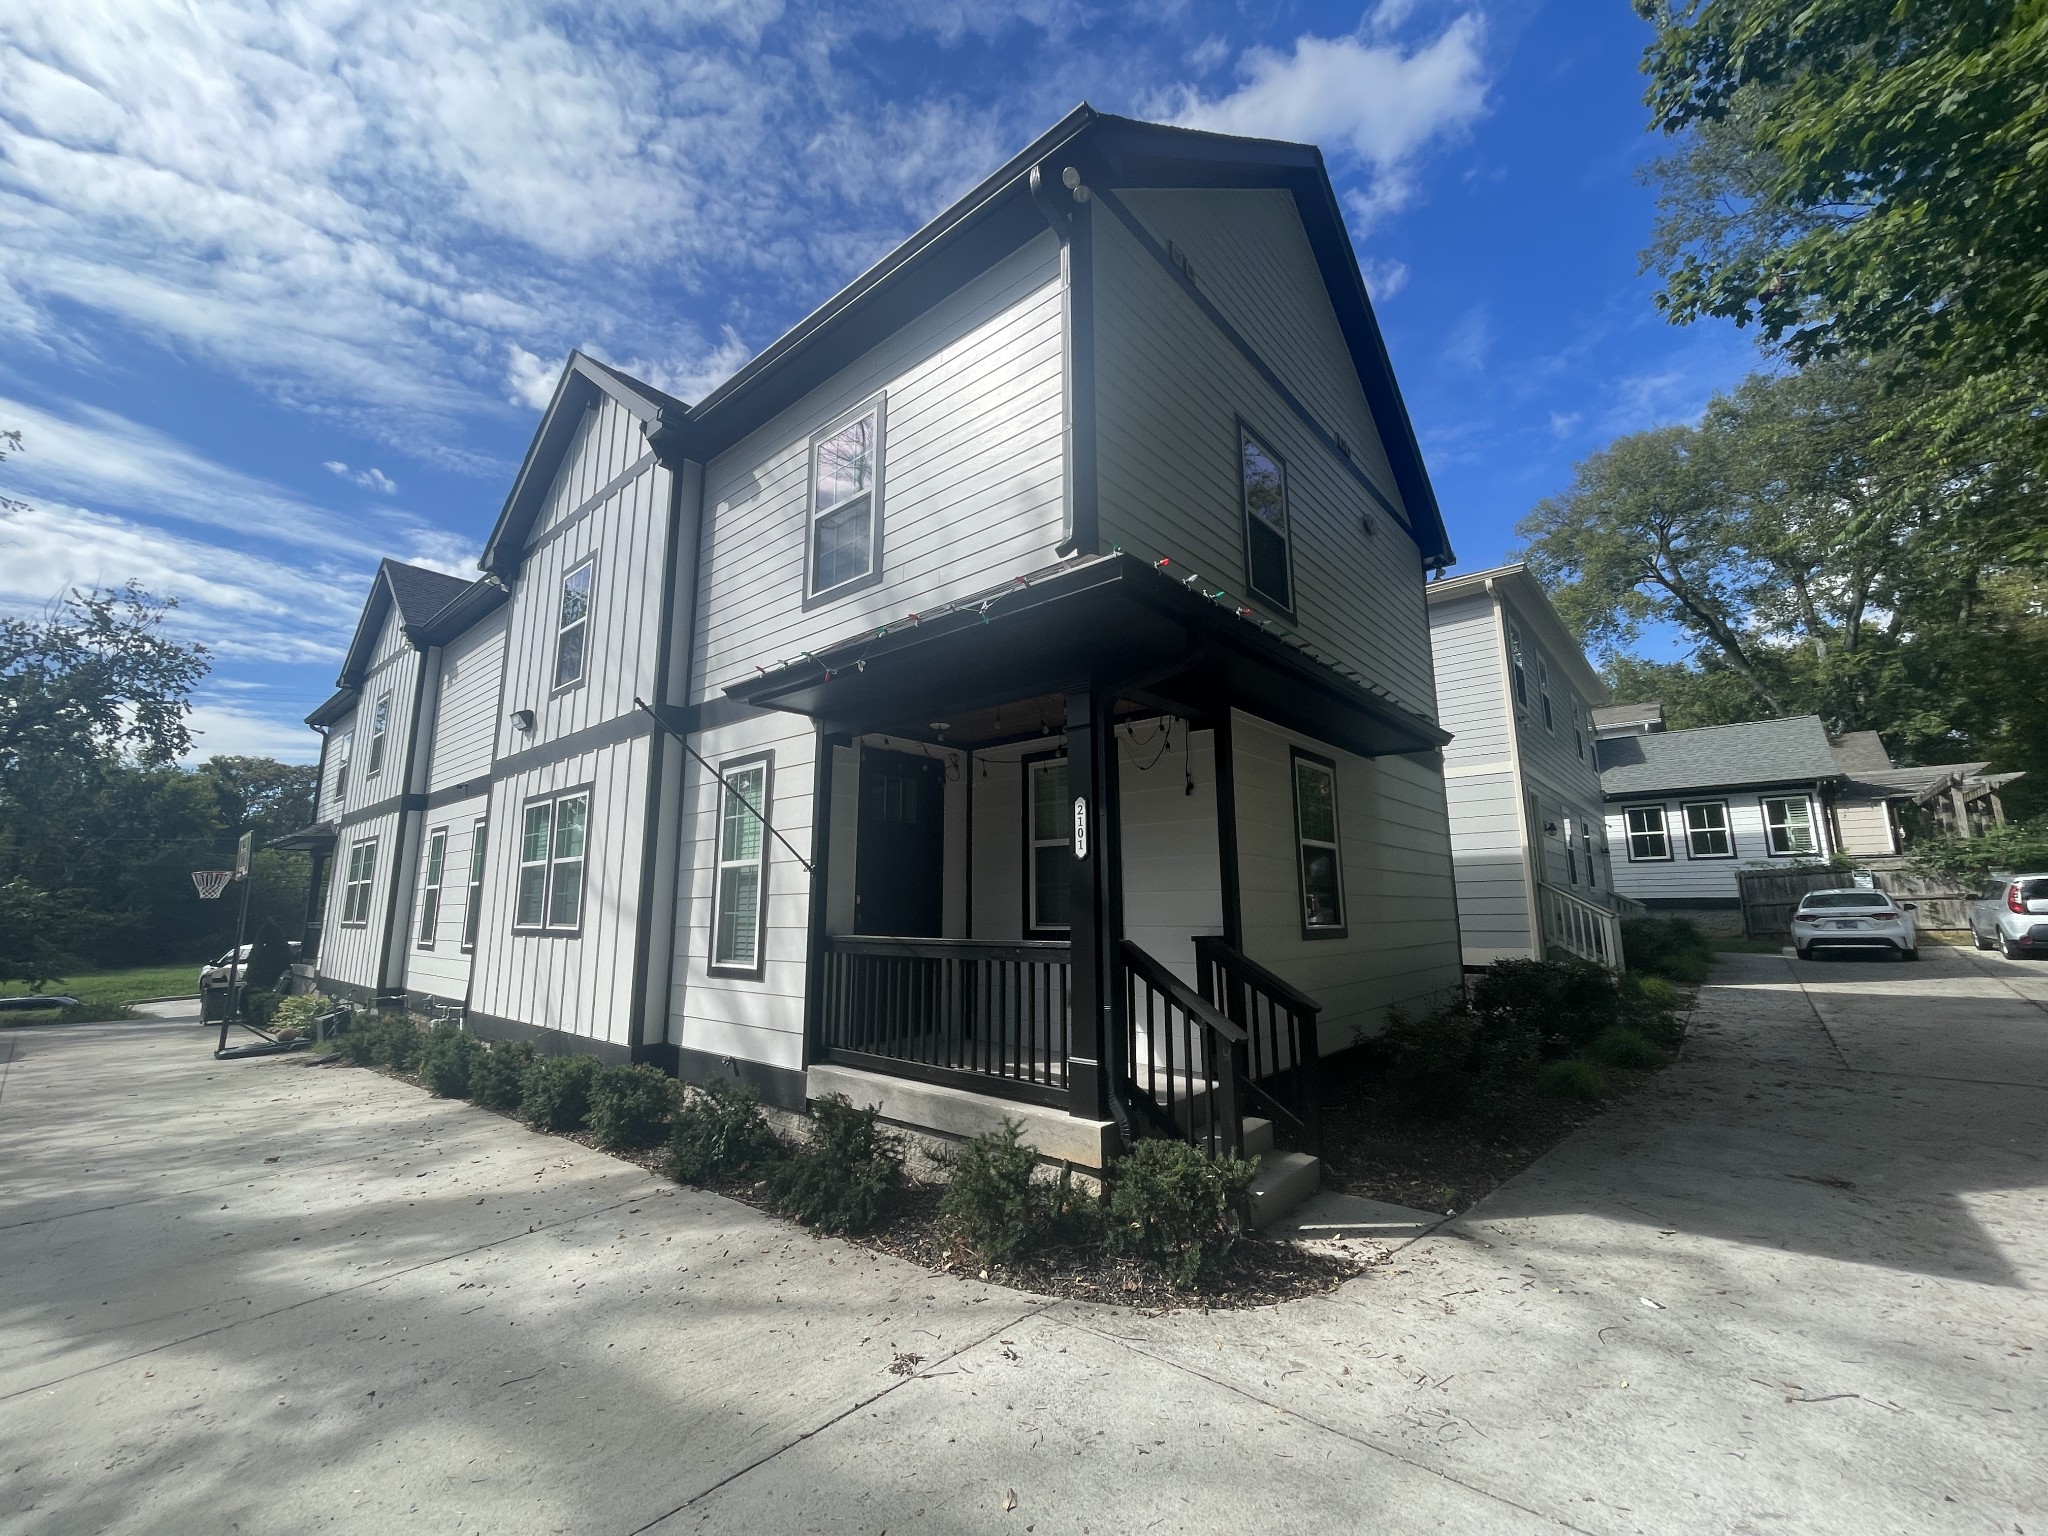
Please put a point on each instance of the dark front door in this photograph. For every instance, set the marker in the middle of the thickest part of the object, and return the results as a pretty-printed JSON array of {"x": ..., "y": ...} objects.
[{"x": 900, "y": 869}]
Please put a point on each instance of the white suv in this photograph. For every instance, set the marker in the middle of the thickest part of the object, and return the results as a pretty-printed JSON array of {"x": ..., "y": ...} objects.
[
  {"x": 2011, "y": 914},
  {"x": 1854, "y": 919}
]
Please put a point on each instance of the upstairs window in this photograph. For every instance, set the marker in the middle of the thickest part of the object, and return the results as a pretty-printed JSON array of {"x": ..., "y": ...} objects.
[
  {"x": 1543, "y": 690},
  {"x": 1788, "y": 824},
  {"x": 1649, "y": 840},
  {"x": 1586, "y": 849},
  {"x": 344, "y": 749},
  {"x": 1518, "y": 668},
  {"x": 473, "y": 908},
  {"x": 572, "y": 624},
  {"x": 1267, "y": 557},
  {"x": 1578, "y": 730},
  {"x": 551, "y": 850},
  {"x": 380, "y": 724},
  {"x": 1051, "y": 833},
  {"x": 362, "y": 875},
  {"x": 1317, "y": 851},
  {"x": 846, "y": 502},
  {"x": 1706, "y": 830},
  {"x": 430, "y": 887},
  {"x": 1571, "y": 853},
  {"x": 737, "y": 909}
]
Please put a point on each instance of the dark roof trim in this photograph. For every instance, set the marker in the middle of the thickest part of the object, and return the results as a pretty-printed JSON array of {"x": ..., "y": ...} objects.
[
  {"x": 418, "y": 594},
  {"x": 335, "y": 706}
]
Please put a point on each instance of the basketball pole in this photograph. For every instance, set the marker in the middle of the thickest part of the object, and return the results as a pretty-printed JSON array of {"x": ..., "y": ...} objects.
[{"x": 234, "y": 1008}]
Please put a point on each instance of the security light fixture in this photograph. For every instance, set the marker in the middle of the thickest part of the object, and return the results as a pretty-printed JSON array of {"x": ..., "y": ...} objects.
[{"x": 522, "y": 719}]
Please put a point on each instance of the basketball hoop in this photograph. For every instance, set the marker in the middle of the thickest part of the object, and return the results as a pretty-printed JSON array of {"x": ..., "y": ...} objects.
[{"x": 211, "y": 882}]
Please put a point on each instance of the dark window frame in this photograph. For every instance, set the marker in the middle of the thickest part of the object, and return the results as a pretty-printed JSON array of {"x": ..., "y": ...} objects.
[
  {"x": 813, "y": 596},
  {"x": 727, "y": 767},
  {"x": 1249, "y": 434},
  {"x": 1727, "y": 829},
  {"x": 349, "y": 884},
  {"x": 1543, "y": 694},
  {"x": 1629, "y": 834},
  {"x": 473, "y": 900},
  {"x": 380, "y": 728},
  {"x": 553, "y": 798},
  {"x": 432, "y": 879},
  {"x": 1027, "y": 764},
  {"x": 1341, "y": 929},
  {"x": 557, "y": 686},
  {"x": 1819, "y": 848},
  {"x": 1518, "y": 669}
]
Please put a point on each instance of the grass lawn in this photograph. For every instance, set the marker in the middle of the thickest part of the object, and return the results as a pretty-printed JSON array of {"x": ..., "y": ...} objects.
[{"x": 121, "y": 986}]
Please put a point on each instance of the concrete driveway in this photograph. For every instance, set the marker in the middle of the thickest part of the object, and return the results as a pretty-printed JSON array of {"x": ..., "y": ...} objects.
[{"x": 1797, "y": 1287}]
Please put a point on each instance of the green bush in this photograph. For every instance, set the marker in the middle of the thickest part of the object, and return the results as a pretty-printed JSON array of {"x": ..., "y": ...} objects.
[
  {"x": 1621, "y": 1046},
  {"x": 1655, "y": 1009},
  {"x": 1430, "y": 1061},
  {"x": 497, "y": 1076},
  {"x": 1528, "y": 1008},
  {"x": 555, "y": 1093},
  {"x": 629, "y": 1107},
  {"x": 1574, "y": 1078},
  {"x": 448, "y": 1054},
  {"x": 844, "y": 1180},
  {"x": 1173, "y": 1205},
  {"x": 260, "y": 1008},
  {"x": 718, "y": 1132},
  {"x": 298, "y": 1012},
  {"x": 1670, "y": 947},
  {"x": 994, "y": 1211},
  {"x": 395, "y": 1041},
  {"x": 358, "y": 1040}
]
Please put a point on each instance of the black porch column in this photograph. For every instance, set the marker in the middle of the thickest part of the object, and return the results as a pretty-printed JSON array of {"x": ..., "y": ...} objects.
[
  {"x": 829, "y": 742},
  {"x": 1095, "y": 1049},
  {"x": 316, "y": 903}
]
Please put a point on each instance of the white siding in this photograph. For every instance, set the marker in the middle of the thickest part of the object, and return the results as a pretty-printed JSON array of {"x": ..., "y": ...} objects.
[
  {"x": 1170, "y": 390},
  {"x": 333, "y": 790},
  {"x": 973, "y": 479},
  {"x": 1480, "y": 786},
  {"x": 443, "y": 970},
  {"x": 466, "y": 715},
  {"x": 1684, "y": 878},
  {"x": 1401, "y": 948},
  {"x": 349, "y": 953}
]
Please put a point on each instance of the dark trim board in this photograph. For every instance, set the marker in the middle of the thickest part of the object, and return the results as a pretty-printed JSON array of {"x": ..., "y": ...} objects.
[
  {"x": 550, "y": 1042},
  {"x": 780, "y": 1086}
]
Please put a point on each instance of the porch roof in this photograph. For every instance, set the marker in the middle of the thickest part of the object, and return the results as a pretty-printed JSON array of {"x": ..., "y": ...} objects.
[{"x": 1115, "y": 620}]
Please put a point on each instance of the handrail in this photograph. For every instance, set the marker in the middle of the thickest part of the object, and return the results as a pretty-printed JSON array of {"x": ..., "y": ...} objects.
[
  {"x": 1193, "y": 1074},
  {"x": 1213, "y": 944},
  {"x": 949, "y": 949},
  {"x": 1181, "y": 995}
]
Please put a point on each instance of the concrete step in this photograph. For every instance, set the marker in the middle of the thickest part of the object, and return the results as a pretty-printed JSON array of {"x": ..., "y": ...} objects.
[
  {"x": 1284, "y": 1181},
  {"x": 1258, "y": 1135}
]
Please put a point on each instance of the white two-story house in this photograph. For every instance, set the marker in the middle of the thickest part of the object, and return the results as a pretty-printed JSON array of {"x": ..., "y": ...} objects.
[
  {"x": 1010, "y": 693},
  {"x": 1528, "y": 824}
]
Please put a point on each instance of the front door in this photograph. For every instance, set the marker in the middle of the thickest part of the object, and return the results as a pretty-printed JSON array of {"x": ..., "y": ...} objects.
[{"x": 899, "y": 871}]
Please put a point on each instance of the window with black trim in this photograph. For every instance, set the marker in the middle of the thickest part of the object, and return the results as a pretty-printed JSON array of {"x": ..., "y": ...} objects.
[
  {"x": 344, "y": 751},
  {"x": 1049, "y": 832},
  {"x": 1543, "y": 692},
  {"x": 1318, "y": 855},
  {"x": 473, "y": 903},
  {"x": 1578, "y": 729},
  {"x": 738, "y": 907},
  {"x": 1571, "y": 853},
  {"x": 380, "y": 724},
  {"x": 846, "y": 501},
  {"x": 1649, "y": 839},
  {"x": 572, "y": 623},
  {"x": 1518, "y": 667},
  {"x": 1788, "y": 826},
  {"x": 552, "y": 839},
  {"x": 431, "y": 869},
  {"x": 362, "y": 875},
  {"x": 1586, "y": 848},
  {"x": 1267, "y": 558},
  {"x": 1706, "y": 830}
]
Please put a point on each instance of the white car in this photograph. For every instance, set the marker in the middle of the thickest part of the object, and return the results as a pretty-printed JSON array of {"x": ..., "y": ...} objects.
[
  {"x": 2011, "y": 914},
  {"x": 1854, "y": 919}
]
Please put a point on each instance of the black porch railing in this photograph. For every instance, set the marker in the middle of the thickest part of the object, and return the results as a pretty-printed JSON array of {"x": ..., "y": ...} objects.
[
  {"x": 1283, "y": 1056},
  {"x": 993, "y": 1017},
  {"x": 1184, "y": 1067}
]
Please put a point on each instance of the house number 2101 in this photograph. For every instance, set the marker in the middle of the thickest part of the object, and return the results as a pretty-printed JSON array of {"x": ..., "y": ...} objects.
[{"x": 1080, "y": 827}]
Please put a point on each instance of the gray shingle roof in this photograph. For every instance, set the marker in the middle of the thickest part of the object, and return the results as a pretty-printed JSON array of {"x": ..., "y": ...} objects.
[
  {"x": 421, "y": 593},
  {"x": 1717, "y": 757}
]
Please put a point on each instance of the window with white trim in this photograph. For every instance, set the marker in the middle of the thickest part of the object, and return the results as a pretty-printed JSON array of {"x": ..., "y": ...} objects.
[
  {"x": 572, "y": 623},
  {"x": 845, "y": 501},
  {"x": 551, "y": 856},
  {"x": 473, "y": 904},
  {"x": 362, "y": 875},
  {"x": 1706, "y": 830},
  {"x": 1051, "y": 835},
  {"x": 344, "y": 750},
  {"x": 1788, "y": 825},
  {"x": 1571, "y": 853},
  {"x": 737, "y": 906},
  {"x": 1649, "y": 840},
  {"x": 1518, "y": 667},
  {"x": 1543, "y": 691},
  {"x": 1317, "y": 851},
  {"x": 380, "y": 723},
  {"x": 1268, "y": 561},
  {"x": 1586, "y": 848},
  {"x": 430, "y": 887},
  {"x": 1578, "y": 729}
]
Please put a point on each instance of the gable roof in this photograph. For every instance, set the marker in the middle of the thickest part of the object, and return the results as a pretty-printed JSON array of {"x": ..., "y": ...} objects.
[
  {"x": 1861, "y": 752},
  {"x": 417, "y": 593},
  {"x": 1516, "y": 585},
  {"x": 992, "y": 219},
  {"x": 1716, "y": 757}
]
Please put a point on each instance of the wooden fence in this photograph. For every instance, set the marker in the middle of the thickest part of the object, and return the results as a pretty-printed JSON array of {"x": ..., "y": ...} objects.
[{"x": 1770, "y": 895}]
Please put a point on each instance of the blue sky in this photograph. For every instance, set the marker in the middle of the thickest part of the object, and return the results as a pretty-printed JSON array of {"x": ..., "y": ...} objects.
[{"x": 282, "y": 286}]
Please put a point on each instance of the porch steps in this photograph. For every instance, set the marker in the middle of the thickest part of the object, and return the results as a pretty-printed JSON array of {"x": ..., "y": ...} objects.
[{"x": 1283, "y": 1182}]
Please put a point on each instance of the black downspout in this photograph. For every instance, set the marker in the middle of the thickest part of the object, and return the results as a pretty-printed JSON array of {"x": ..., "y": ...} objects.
[
  {"x": 1065, "y": 202},
  {"x": 412, "y": 748},
  {"x": 1224, "y": 767}
]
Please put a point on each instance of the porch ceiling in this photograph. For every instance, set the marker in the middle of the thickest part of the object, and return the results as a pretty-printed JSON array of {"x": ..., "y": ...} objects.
[{"x": 1114, "y": 622}]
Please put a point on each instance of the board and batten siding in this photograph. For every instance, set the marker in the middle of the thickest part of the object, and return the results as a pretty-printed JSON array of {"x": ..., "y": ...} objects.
[
  {"x": 333, "y": 790},
  {"x": 442, "y": 970},
  {"x": 1564, "y": 779},
  {"x": 350, "y": 953},
  {"x": 1683, "y": 878},
  {"x": 466, "y": 712},
  {"x": 1401, "y": 946},
  {"x": 1171, "y": 390},
  {"x": 973, "y": 476}
]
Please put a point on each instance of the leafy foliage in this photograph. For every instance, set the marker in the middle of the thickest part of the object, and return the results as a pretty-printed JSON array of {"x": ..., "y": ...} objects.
[
  {"x": 1574, "y": 1078},
  {"x": 395, "y": 1041},
  {"x": 555, "y": 1093},
  {"x": 719, "y": 1132},
  {"x": 447, "y": 1057},
  {"x": 1621, "y": 1046},
  {"x": 1430, "y": 1067},
  {"x": 629, "y": 1107},
  {"x": 497, "y": 1077},
  {"x": 2016, "y": 848},
  {"x": 846, "y": 1177},
  {"x": 995, "y": 1211},
  {"x": 1173, "y": 1205},
  {"x": 1668, "y": 947}
]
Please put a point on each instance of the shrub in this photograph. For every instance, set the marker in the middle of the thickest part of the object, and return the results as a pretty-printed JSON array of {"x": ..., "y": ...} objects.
[
  {"x": 395, "y": 1041},
  {"x": 1429, "y": 1060},
  {"x": 629, "y": 1107},
  {"x": 1528, "y": 1008},
  {"x": 844, "y": 1179},
  {"x": 448, "y": 1055},
  {"x": 497, "y": 1076},
  {"x": 1175, "y": 1206},
  {"x": 298, "y": 1012},
  {"x": 718, "y": 1132},
  {"x": 993, "y": 1211},
  {"x": 260, "y": 1008},
  {"x": 1621, "y": 1046},
  {"x": 1654, "y": 1007},
  {"x": 1670, "y": 947},
  {"x": 555, "y": 1093},
  {"x": 358, "y": 1040},
  {"x": 1574, "y": 1078}
]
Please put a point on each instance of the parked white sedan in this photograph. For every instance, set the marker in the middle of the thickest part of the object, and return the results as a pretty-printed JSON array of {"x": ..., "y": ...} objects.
[
  {"x": 2011, "y": 914},
  {"x": 1854, "y": 919}
]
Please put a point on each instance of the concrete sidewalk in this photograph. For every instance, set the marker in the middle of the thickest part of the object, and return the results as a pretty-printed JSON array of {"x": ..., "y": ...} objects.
[{"x": 1794, "y": 1288}]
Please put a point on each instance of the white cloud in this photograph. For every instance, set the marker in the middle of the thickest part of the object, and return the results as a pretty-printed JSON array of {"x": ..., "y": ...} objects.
[
  {"x": 1384, "y": 279},
  {"x": 529, "y": 380},
  {"x": 439, "y": 550},
  {"x": 223, "y": 730},
  {"x": 1367, "y": 97},
  {"x": 1564, "y": 423},
  {"x": 1470, "y": 339},
  {"x": 373, "y": 478}
]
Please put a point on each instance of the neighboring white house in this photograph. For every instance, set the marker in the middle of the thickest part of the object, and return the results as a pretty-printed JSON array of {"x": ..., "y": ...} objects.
[
  {"x": 1528, "y": 829},
  {"x": 1032, "y": 636}
]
